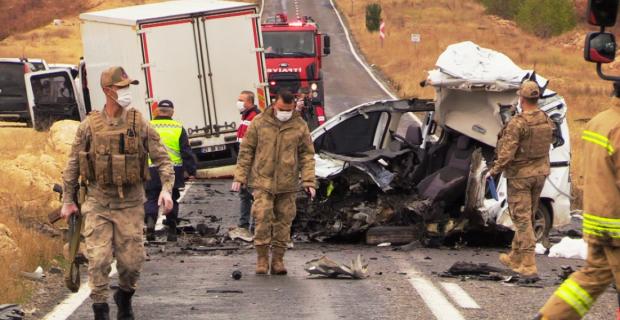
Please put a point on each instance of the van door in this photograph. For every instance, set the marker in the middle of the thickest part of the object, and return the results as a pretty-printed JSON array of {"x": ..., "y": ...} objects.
[
  {"x": 52, "y": 96},
  {"x": 170, "y": 55},
  {"x": 228, "y": 75}
]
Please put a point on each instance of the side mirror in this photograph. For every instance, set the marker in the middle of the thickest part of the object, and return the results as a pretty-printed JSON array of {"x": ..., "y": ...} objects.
[
  {"x": 600, "y": 47},
  {"x": 326, "y": 45},
  {"x": 602, "y": 13}
]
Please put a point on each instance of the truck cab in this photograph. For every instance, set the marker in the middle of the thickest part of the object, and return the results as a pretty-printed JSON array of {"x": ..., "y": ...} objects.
[{"x": 293, "y": 52}]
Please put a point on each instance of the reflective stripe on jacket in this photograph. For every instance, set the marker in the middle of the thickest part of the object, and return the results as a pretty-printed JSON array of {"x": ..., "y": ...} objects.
[
  {"x": 170, "y": 133},
  {"x": 601, "y": 172}
]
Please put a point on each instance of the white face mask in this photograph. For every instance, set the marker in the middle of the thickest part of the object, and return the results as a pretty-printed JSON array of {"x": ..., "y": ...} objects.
[
  {"x": 124, "y": 97},
  {"x": 284, "y": 115},
  {"x": 240, "y": 106}
]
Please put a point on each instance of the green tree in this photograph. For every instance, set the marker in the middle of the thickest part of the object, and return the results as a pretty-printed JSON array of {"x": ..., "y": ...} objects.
[
  {"x": 373, "y": 17},
  {"x": 546, "y": 18},
  {"x": 506, "y": 9}
]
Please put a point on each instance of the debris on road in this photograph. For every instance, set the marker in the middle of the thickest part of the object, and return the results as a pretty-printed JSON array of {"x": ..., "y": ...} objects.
[
  {"x": 395, "y": 235},
  {"x": 37, "y": 275},
  {"x": 236, "y": 275},
  {"x": 540, "y": 249},
  {"x": 224, "y": 291},
  {"x": 329, "y": 268},
  {"x": 462, "y": 268},
  {"x": 565, "y": 272},
  {"x": 569, "y": 248},
  {"x": 207, "y": 249},
  {"x": 11, "y": 312},
  {"x": 384, "y": 244},
  {"x": 240, "y": 233}
]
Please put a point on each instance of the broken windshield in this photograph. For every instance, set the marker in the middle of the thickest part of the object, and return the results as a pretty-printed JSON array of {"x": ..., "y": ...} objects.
[{"x": 287, "y": 44}]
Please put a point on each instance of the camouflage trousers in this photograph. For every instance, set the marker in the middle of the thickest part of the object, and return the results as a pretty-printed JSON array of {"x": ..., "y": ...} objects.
[
  {"x": 523, "y": 198},
  {"x": 112, "y": 233},
  {"x": 273, "y": 215},
  {"x": 574, "y": 298}
]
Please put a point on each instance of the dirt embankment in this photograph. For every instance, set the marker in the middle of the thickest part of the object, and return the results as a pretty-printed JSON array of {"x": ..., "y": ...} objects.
[{"x": 30, "y": 164}]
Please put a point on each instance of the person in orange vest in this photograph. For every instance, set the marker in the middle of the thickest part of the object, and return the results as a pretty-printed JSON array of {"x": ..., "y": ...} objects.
[{"x": 601, "y": 219}]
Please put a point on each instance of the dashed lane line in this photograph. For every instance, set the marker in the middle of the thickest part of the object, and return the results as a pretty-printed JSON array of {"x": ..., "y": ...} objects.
[{"x": 460, "y": 296}]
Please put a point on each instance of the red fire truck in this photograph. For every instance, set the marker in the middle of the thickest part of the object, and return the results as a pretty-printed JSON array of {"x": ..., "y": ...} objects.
[{"x": 293, "y": 52}]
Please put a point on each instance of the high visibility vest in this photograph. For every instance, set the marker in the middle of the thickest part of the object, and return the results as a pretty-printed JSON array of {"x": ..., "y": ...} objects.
[{"x": 170, "y": 134}]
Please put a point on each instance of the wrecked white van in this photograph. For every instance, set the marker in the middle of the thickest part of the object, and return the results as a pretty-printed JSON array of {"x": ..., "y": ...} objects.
[{"x": 377, "y": 165}]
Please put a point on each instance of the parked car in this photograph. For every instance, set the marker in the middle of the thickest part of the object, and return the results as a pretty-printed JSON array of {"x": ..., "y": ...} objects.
[{"x": 13, "y": 100}]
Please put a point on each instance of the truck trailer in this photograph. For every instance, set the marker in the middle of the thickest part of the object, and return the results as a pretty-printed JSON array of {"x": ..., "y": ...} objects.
[{"x": 198, "y": 54}]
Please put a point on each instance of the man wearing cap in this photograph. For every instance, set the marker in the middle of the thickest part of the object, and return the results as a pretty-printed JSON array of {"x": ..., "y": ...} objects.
[
  {"x": 523, "y": 155},
  {"x": 174, "y": 138},
  {"x": 109, "y": 159}
]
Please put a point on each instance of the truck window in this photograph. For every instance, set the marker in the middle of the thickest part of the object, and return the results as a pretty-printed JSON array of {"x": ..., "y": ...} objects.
[
  {"x": 286, "y": 44},
  {"x": 12, "y": 82}
]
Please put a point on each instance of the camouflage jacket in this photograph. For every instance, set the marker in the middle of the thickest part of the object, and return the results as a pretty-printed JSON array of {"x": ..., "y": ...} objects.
[
  {"x": 513, "y": 145},
  {"x": 108, "y": 195},
  {"x": 273, "y": 153}
]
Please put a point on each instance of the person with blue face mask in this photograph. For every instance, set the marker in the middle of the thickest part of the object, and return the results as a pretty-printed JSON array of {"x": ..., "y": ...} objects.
[{"x": 276, "y": 151}]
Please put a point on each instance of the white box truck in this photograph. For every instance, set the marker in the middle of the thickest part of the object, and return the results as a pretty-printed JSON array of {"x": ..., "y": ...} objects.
[{"x": 200, "y": 54}]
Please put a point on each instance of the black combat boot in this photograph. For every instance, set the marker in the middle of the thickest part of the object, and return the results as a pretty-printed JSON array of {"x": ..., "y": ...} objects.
[
  {"x": 150, "y": 228},
  {"x": 172, "y": 231},
  {"x": 102, "y": 311},
  {"x": 123, "y": 301}
]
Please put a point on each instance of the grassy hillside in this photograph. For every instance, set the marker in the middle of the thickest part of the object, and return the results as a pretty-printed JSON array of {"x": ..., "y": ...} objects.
[{"x": 444, "y": 22}]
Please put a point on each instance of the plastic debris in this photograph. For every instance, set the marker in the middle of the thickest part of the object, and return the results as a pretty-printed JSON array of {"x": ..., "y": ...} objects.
[
  {"x": 569, "y": 248},
  {"x": 540, "y": 249},
  {"x": 327, "y": 267},
  {"x": 240, "y": 233},
  {"x": 384, "y": 244}
]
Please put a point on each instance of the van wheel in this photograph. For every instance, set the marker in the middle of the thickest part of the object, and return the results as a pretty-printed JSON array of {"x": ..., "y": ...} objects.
[{"x": 542, "y": 222}]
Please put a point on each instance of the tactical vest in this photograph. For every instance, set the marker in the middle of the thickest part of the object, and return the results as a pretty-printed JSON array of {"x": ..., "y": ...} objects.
[
  {"x": 170, "y": 133},
  {"x": 538, "y": 138},
  {"x": 115, "y": 156}
]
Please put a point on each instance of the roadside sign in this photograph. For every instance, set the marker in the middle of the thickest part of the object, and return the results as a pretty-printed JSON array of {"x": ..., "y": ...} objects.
[{"x": 416, "y": 38}]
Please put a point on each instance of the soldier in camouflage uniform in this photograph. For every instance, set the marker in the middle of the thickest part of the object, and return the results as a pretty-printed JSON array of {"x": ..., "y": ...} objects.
[
  {"x": 523, "y": 156},
  {"x": 109, "y": 155},
  {"x": 276, "y": 147}
]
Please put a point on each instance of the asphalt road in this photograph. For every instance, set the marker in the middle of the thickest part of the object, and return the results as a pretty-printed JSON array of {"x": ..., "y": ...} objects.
[{"x": 185, "y": 284}]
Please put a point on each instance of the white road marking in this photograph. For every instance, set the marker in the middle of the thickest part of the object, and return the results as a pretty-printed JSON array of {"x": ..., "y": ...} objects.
[
  {"x": 68, "y": 306},
  {"x": 460, "y": 296},
  {"x": 357, "y": 57},
  {"x": 434, "y": 299}
]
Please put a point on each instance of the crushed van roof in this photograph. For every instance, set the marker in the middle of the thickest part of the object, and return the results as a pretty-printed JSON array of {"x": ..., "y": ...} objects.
[
  {"x": 467, "y": 66},
  {"x": 161, "y": 11}
]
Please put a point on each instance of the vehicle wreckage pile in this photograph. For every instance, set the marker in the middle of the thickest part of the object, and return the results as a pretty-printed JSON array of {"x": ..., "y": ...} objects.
[{"x": 378, "y": 167}]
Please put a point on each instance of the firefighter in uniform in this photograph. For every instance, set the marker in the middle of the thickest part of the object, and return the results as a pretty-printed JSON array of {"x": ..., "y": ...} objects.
[
  {"x": 601, "y": 219},
  {"x": 523, "y": 156},
  {"x": 175, "y": 139},
  {"x": 248, "y": 111},
  {"x": 109, "y": 156},
  {"x": 276, "y": 147}
]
